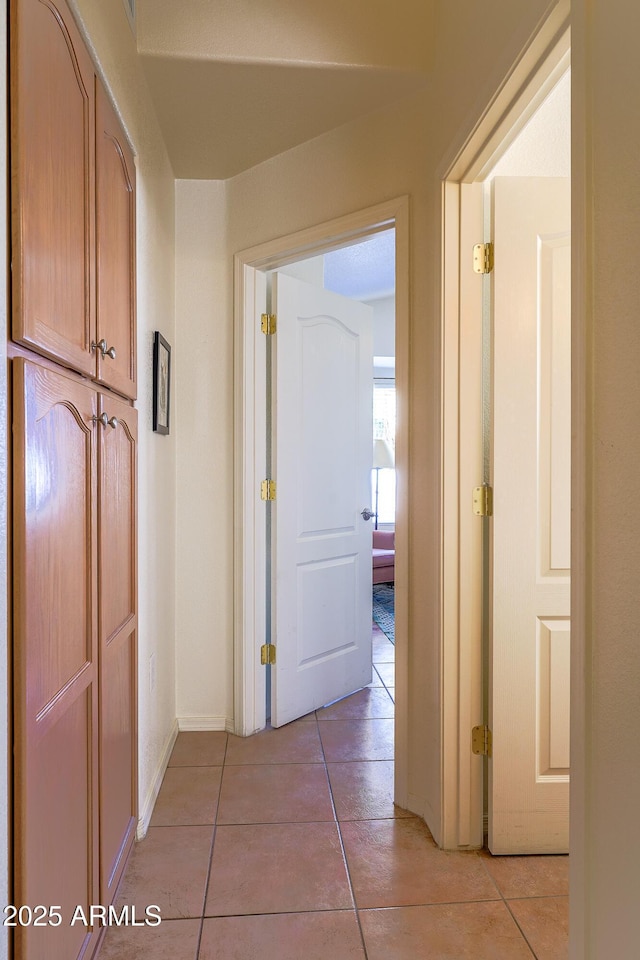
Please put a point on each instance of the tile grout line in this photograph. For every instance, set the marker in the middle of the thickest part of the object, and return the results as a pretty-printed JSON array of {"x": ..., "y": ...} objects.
[
  {"x": 515, "y": 920},
  {"x": 342, "y": 848},
  {"x": 213, "y": 837},
  {"x": 506, "y": 903},
  {"x": 385, "y": 687}
]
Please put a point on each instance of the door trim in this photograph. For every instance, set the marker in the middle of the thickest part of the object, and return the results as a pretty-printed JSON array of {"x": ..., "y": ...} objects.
[
  {"x": 541, "y": 64},
  {"x": 249, "y": 427}
]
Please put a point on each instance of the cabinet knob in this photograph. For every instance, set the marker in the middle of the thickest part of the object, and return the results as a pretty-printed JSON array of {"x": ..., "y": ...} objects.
[
  {"x": 106, "y": 351},
  {"x": 105, "y": 420}
]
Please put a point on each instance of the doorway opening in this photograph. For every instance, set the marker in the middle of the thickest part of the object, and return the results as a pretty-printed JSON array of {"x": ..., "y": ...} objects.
[
  {"x": 251, "y": 269},
  {"x": 363, "y": 272},
  {"x": 507, "y": 145}
]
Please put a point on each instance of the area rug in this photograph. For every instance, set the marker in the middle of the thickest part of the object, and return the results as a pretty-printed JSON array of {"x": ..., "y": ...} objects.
[{"x": 383, "y": 609}]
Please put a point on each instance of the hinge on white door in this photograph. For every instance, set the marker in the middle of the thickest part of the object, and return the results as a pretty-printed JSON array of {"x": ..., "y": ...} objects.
[
  {"x": 267, "y": 654},
  {"x": 268, "y": 323},
  {"x": 268, "y": 490},
  {"x": 483, "y": 501},
  {"x": 483, "y": 257},
  {"x": 482, "y": 741}
]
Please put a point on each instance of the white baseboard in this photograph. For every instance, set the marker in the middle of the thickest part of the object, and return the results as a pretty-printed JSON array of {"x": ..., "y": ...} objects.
[
  {"x": 415, "y": 804},
  {"x": 422, "y": 808},
  {"x": 206, "y": 723},
  {"x": 150, "y": 800},
  {"x": 182, "y": 723}
]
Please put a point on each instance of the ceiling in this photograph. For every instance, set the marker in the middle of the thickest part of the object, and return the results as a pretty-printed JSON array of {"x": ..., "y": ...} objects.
[
  {"x": 235, "y": 82},
  {"x": 363, "y": 271}
]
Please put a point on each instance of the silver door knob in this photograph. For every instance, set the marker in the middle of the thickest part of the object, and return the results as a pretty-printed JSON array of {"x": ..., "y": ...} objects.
[
  {"x": 111, "y": 352},
  {"x": 113, "y": 422},
  {"x": 367, "y": 513}
]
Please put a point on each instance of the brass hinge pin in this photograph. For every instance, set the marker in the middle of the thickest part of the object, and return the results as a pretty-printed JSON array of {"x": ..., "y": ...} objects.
[
  {"x": 267, "y": 654},
  {"x": 268, "y": 490},
  {"x": 483, "y": 501},
  {"x": 483, "y": 259},
  {"x": 268, "y": 323},
  {"x": 482, "y": 741}
]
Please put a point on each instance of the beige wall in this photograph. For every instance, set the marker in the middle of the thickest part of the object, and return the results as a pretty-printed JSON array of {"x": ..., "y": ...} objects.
[
  {"x": 114, "y": 49},
  {"x": 384, "y": 316},
  {"x": 605, "y": 748},
  {"x": 204, "y": 431},
  {"x": 543, "y": 146}
]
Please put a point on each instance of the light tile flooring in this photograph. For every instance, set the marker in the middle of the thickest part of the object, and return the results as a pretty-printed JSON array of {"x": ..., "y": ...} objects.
[{"x": 287, "y": 846}]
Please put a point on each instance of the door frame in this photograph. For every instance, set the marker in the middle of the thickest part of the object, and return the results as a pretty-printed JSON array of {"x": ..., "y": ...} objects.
[
  {"x": 541, "y": 64},
  {"x": 250, "y": 555}
]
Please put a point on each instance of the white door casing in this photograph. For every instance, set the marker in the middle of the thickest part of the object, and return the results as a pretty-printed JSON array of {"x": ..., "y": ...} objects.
[
  {"x": 531, "y": 444},
  {"x": 321, "y": 545}
]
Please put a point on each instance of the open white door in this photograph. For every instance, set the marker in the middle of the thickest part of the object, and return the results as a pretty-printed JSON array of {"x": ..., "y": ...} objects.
[
  {"x": 529, "y": 657},
  {"x": 321, "y": 544}
]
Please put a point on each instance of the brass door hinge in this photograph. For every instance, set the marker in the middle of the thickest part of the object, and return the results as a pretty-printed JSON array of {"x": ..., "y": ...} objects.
[
  {"x": 483, "y": 257},
  {"x": 483, "y": 501},
  {"x": 268, "y": 490},
  {"x": 267, "y": 654},
  {"x": 268, "y": 323},
  {"x": 482, "y": 741}
]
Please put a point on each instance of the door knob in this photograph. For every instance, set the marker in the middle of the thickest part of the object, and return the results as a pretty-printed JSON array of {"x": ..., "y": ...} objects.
[
  {"x": 113, "y": 422},
  {"x": 367, "y": 513}
]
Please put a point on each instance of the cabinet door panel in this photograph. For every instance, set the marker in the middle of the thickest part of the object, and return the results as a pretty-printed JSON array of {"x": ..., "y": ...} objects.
[
  {"x": 59, "y": 862},
  {"x": 52, "y": 153},
  {"x": 118, "y": 708},
  {"x": 117, "y": 500},
  {"x": 118, "y": 761},
  {"x": 55, "y": 652},
  {"x": 59, "y": 570},
  {"x": 115, "y": 233}
]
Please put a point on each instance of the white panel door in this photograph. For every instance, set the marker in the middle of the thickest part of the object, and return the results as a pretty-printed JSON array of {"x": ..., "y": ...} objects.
[
  {"x": 529, "y": 657},
  {"x": 321, "y": 544}
]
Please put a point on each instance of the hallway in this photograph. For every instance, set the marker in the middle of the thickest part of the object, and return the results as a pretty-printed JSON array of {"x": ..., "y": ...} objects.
[{"x": 287, "y": 845}]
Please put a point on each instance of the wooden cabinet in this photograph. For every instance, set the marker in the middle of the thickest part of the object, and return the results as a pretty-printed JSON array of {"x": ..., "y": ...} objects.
[
  {"x": 117, "y": 623},
  {"x": 55, "y": 486},
  {"x": 74, "y": 491},
  {"x": 115, "y": 252},
  {"x": 52, "y": 176},
  {"x": 73, "y": 203},
  {"x": 75, "y": 454}
]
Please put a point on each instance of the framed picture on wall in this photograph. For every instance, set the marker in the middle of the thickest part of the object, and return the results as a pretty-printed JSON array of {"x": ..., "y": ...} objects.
[{"x": 161, "y": 383}]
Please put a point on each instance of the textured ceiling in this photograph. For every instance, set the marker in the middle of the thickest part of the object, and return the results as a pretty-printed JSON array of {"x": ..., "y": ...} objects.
[
  {"x": 363, "y": 271},
  {"x": 235, "y": 82}
]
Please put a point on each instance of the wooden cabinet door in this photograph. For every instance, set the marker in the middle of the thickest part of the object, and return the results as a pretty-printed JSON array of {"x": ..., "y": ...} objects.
[
  {"x": 55, "y": 656},
  {"x": 117, "y": 632},
  {"x": 52, "y": 176},
  {"x": 115, "y": 237}
]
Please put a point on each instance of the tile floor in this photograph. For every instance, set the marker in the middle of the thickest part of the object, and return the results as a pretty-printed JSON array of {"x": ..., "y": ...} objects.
[{"x": 287, "y": 846}]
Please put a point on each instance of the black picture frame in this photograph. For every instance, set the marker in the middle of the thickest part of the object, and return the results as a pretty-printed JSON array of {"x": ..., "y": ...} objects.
[{"x": 161, "y": 383}]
